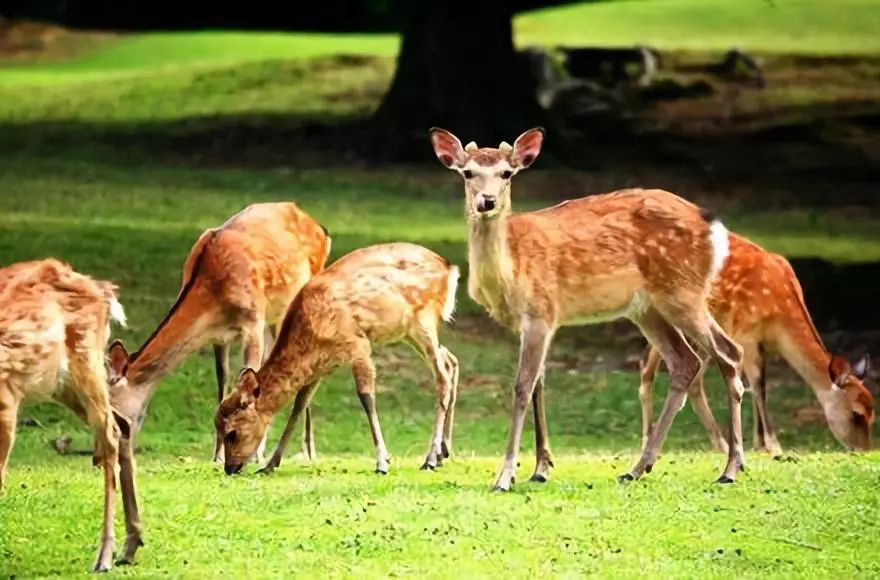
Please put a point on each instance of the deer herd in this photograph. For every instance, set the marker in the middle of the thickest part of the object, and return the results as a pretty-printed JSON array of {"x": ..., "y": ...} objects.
[{"x": 696, "y": 292}]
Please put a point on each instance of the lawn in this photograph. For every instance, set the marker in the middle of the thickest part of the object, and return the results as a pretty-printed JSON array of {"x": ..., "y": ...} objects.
[{"x": 118, "y": 159}]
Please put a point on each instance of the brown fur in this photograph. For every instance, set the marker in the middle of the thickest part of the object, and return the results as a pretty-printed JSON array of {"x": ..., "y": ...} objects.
[
  {"x": 758, "y": 300},
  {"x": 54, "y": 325},
  {"x": 644, "y": 254},
  {"x": 376, "y": 295},
  {"x": 237, "y": 280}
]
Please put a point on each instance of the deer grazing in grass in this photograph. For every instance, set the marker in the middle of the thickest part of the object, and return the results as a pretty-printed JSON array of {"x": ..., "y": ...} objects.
[
  {"x": 376, "y": 295},
  {"x": 54, "y": 326},
  {"x": 758, "y": 300},
  {"x": 237, "y": 282},
  {"x": 646, "y": 255}
]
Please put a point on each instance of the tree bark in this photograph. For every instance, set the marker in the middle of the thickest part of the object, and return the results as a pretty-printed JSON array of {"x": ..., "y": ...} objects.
[{"x": 457, "y": 69}]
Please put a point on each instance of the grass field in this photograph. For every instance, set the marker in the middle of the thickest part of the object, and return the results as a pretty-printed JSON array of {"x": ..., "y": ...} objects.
[{"x": 88, "y": 176}]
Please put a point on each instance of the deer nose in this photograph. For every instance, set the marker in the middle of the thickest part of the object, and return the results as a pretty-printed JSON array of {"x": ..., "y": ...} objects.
[
  {"x": 231, "y": 468},
  {"x": 486, "y": 203}
]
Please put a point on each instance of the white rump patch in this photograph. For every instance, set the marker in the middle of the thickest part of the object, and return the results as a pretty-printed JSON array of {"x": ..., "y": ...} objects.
[
  {"x": 117, "y": 312},
  {"x": 719, "y": 238},
  {"x": 451, "y": 287}
]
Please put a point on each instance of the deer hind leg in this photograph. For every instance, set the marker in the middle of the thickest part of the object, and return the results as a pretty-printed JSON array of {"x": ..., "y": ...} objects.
[
  {"x": 424, "y": 340},
  {"x": 684, "y": 366},
  {"x": 704, "y": 332},
  {"x": 536, "y": 335},
  {"x": 452, "y": 370},
  {"x": 647, "y": 375},
  {"x": 8, "y": 420},
  {"x": 365, "y": 380},
  {"x": 300, "y": 404},
  {"x": 543, "y": 457},
  {"x": 700, "y": 404}
]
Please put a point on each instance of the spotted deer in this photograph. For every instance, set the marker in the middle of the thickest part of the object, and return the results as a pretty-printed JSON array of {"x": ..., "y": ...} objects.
[
  {"x": 645, "y": 255},
  {"x": 54, "y": 326},
  {"x": 237, "y": 281},
  {"x": 758, "y": 300},
  {"x": 381, "y": 294}
]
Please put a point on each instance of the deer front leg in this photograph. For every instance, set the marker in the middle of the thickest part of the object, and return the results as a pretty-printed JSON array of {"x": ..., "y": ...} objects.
[
  {"x": 8, "y": 420},
  {"x": 700, "y": 404},
  {"x": 221, "y": 369},
  {"x": 765, "y": 433},
  {"x": 365, "y": 379},
  {"x": 133, "y": 531},
  {"x": 535, "y": 337},
  {"x": 254, "y": 348},
  {"x": 303, "y": 398},
  {"x": 308, "y": 439},
  {"x": 543, "y": 459}
]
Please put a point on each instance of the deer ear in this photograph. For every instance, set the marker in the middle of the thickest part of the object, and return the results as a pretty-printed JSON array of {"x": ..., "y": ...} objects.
[
  {"x": 249, "y": 385},
  {"x": 861, "y": 368},
  {"x": 527, "y": 147},
  {"x": 117, "y": 359},
  {"x": 839, "y": 370},
  {"x": 447, "y": 148}
]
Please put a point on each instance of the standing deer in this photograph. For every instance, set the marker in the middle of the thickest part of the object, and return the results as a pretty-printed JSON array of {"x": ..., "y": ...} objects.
[
  {"x": 377, "y": 295},
  {"x": 54, "y": 325},
  {"x": 237, "y": 280},
  {"x": 758, "y": 300},
  {"x": 646, "y": 255}
]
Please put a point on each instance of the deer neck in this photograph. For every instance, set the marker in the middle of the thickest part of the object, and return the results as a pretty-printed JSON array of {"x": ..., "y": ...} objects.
[
  {"x": 810, "y": 359},
  {"x": 283, "y": 375},
  {"x": 490, "y": 263}
]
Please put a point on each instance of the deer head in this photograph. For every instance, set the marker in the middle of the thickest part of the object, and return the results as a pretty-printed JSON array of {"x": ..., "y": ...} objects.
[
  {"x": 487, "y": 171},
  {"x": 239, "y": 425},
  {"x": 851, "y": 416}
]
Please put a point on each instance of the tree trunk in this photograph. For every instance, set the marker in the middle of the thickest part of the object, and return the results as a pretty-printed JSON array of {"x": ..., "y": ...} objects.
[{"x": 457, "y": 69}]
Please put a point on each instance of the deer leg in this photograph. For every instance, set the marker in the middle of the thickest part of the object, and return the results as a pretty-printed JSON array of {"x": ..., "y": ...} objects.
[
  {"x": 303, "y": 397},
  {"x": 108, "y": 456},
  {"x": 700, "y": 404},
  {"x": 8, "y": 420},
  {"x": 765, "y": 434},
  {"x": 365, "y": 379},
  {"x": 683, "y": 365},
  {"x": 254, "y": 348},
  {"x": 127, "y": 471},
  {"x": 452, "y": 369},
  {"x": 535, "y": 338},
  {"x": 221, "y": 369},
  {"x": 543, "y": 457},
  {"x": 647, "y": 374},
  {"x": 435, "y": 356},
  {"x": 308, "y": 438}
]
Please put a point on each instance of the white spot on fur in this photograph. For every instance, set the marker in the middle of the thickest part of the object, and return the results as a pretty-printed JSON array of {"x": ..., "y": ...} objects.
[
  {"x": 451, "y": 287},
  {"x": 718, "y": 236},
  {"x": 117, "y": 312}
]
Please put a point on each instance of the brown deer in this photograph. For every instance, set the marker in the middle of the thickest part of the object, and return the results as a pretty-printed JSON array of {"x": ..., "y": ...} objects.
[
  {"x": 646, "y": 255},
  {"x": 54, "y": 326},
  {"x": 237, "y": 281},
  {"x": 758, "y": 300},
  {"x": 377, "y": 295}
]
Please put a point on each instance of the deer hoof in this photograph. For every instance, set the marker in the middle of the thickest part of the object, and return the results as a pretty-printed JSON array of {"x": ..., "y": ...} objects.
[
  {"x": 538, "y": 478},
  {"x": 428, "y": 467},
  {"x": 724, "y": 480},
  {"x": 625, "y": 478},
  {"x": 499, "y": 489}
]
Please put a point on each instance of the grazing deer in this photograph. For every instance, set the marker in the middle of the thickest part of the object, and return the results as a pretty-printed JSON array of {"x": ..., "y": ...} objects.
[
  {"x": 237, "y": 280},
  {"x": 646, "y": 255},
  {"x": 758, "y": 300},
  {"x": 377, "y": 295},
  {"x": 54, "y": 325}
]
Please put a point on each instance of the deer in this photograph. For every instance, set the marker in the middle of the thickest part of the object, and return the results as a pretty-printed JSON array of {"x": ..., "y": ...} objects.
[
  {"x": 642, "y": 254},
  {"x": 54, "y": 327},
  {"x": 384, "y": 294},
  {"x": 237, "y": 282},
  {"x": 758, "y": 300}
]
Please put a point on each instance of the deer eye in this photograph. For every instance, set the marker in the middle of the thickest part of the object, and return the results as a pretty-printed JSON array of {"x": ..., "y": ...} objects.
[
  {"x": 231, "y": 437},
  {"x": 467, "y": 173},
  {"x": 506, "y": 174}
]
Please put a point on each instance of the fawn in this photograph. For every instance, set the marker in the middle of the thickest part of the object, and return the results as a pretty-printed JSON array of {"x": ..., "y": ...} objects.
[
  {"x": 54, "y": 326},
  {"x": 646, "y": 255},
  {"x": 237, "y": 281},
  {"x": 376, "y": 295},
  {"x": 758, "y": 300}
]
